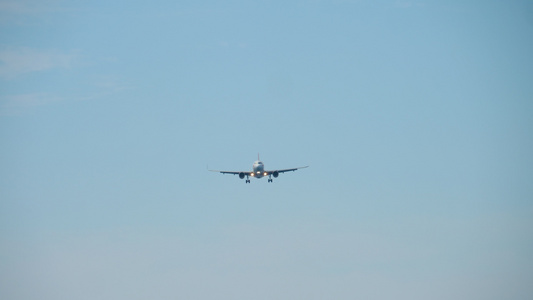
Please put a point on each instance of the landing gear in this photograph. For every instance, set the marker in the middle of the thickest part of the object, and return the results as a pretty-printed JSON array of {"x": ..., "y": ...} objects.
[
  {"x": 247, "y": 180},
  {"x": 270, "y": 178}
]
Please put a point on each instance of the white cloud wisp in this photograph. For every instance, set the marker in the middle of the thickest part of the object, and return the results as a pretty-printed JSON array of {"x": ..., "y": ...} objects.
[{"x": 18, "y": 61}]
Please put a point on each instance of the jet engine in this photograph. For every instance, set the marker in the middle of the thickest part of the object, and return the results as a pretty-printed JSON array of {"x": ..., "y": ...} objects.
[
  {"x": 241, "y": 175},
  {"x": 275, "y": 174}
]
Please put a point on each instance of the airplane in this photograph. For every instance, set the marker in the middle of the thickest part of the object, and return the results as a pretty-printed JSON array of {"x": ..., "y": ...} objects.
[{"x": 258, "y": 171}]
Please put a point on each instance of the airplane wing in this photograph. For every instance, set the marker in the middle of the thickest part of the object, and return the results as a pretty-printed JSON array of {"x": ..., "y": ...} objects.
[
  {"x": 230, "y": 172},
  {"x": 284, "y": 170}
]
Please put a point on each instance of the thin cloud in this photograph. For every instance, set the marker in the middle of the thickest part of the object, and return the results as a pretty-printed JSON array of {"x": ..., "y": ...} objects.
[
  {"x": 28, "y": 7},
  {"x": 19, "y": 104},
  {"x": 16, "y": 104},
  {"x": 18, "y": 61},
  {"x": 24, "y": 12},
  {"x": 16, "y": 7}
]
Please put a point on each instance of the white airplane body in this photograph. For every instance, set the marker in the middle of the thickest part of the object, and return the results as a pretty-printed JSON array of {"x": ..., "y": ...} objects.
[{"x": 258, "y": 171}]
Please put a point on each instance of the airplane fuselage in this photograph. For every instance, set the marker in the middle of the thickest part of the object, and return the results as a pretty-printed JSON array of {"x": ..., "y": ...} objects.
[{"x": 258, "y": 169}]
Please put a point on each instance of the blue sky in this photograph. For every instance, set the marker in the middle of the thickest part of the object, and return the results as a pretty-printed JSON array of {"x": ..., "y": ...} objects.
[{"x": 414, "y": 116}]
